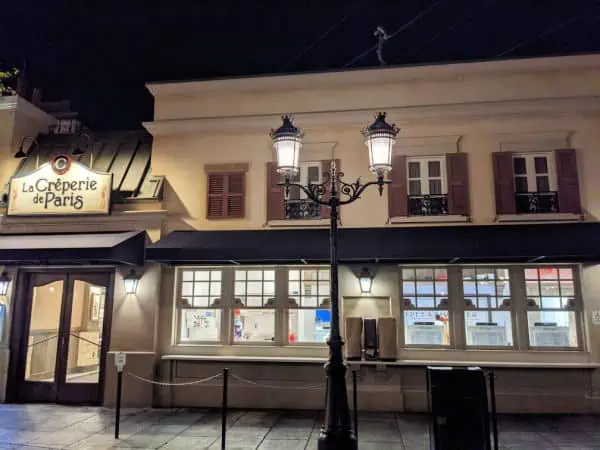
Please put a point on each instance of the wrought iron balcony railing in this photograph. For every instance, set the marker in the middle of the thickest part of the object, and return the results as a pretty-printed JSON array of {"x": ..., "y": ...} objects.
[
  {"x": 536, "y": 202},
  {"x": 428, "y": 205},
  {"x": 302, "y": 209}
]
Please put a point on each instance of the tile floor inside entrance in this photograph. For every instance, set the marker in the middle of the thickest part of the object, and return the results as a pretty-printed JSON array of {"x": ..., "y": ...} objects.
[{"x": 50, "y": 426}]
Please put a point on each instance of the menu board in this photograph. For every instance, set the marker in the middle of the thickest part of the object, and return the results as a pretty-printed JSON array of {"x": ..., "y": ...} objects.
[
  {"x": 549, "y": 336},
  {"x": 425, "y": 334},
  {"x": 486, "y": 335},
  {"x": 201, "y": 325}
]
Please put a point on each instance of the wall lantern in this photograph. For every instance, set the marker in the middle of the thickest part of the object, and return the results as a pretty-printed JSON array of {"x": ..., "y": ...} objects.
[
  {"x": 4, "y": 282},
  {"x": 366, "y": 281},
  {"x": 287, "y": 142},
  {"x": 21, "y": 153},
  {"x": 380, "y": 138},
  {"x": 131, "y": 282}
]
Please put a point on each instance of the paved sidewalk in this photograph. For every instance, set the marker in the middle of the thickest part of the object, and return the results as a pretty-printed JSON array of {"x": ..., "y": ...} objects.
[{"x": 51, "y": 426}]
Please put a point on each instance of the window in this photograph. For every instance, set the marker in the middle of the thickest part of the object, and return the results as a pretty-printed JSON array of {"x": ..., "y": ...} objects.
[
  {"x": 297, "y": 206},
  {"x": 488, "y": 319},
  {"x": 226, "y": 192},
  {"x": 309, "y": 316},
  {"x": 535, "y": 183},
  {"x": 427, "y": 188},
  {"x": 200, "y": 305},
  {"x": 254, "y": 313},
  {"x": 425, "y": 303},
  {"x": 552, "y": 307}
]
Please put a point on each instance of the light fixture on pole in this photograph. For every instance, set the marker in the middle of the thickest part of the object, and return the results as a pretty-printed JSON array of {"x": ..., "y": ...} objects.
[
  {"x": 4, "y": 282},
  {"x": 380, "y": 138},
  {"x": 287, "y": 143},
  {"x": 336, "y": 433},
  {"x": 78, "y": 151},
  {"x": 131, "y": 282},
  {"x": 365, "y": 279}
]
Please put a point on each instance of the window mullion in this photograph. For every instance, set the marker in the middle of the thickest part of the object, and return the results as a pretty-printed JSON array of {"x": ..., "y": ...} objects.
[
  {"x": 281, "y": 312},
  {"x": 519, "y": 306},
  {"x": 227, "y": 295},
  {"x": 424, "y": 177},
  {"x": 456, "y": 306}
]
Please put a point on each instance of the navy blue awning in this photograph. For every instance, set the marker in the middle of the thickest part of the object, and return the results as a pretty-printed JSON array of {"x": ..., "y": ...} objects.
[
  {"x": 559, "y": 242},
  {"x": 96, "y": 248}
]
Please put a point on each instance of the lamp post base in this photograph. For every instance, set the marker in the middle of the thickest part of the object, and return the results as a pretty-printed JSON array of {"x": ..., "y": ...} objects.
[{"x": 337, "y": 440}]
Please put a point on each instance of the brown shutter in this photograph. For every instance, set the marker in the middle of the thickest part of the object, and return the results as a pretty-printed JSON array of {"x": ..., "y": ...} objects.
[
  {"x": 458, "y": 183},
  {"x": 569, "y": 200},
  {"x": 235, "y": 194},
  {"x": 504, "y": 184},
  {"x": 275, "y": 194},
  {"x": 216, "y": 196},
  {"x": 397, "y": 200},
  {"x": 326, "y": 165}
]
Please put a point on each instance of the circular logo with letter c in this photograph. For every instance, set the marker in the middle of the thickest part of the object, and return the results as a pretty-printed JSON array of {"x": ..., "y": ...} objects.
[{"x": 61, "y": 164}]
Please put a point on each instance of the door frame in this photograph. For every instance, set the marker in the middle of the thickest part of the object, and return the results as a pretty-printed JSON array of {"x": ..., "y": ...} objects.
[{"x": 18, "y": 337}]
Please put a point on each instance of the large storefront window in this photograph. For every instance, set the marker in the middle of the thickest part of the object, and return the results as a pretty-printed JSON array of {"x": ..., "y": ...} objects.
[
  {"x": 425, "y": 304},
  {"x": 551, "y": 307},
  {"x": 488, "y": 318},
  {"x": 254, "y": 306},
  {"x": 200, "y": 305},
  {"x": 309, "y": 316}
]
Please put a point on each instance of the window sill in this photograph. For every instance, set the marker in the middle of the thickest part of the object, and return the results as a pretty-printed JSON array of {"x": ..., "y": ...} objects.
[
  {"x": 551, "y": 217},
  {"x": 430, "y": 219},
  {"x": 298, "y": 223}
]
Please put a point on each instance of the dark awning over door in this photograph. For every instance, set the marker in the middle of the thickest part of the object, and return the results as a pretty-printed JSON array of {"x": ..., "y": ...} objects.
[
  {"x": 97, "y": 248},
  {"x": 565, "y": 242}
]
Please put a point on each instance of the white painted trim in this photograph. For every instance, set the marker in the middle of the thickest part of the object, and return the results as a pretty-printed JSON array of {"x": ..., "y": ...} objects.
[
  {"x": 535, "y": 141},
  {"x": 430, "y": 219},
  {"x": 558, "y": 217},
  {"x": 402, "y": 115},
  {"x": 299, "y": 223}
]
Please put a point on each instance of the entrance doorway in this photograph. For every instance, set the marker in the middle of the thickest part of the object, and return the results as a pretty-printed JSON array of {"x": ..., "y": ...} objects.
[{"x": 64, "y": 323}]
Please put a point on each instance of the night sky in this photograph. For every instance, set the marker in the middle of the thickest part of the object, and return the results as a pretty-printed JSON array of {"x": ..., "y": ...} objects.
[{"x": 99, "y": 54}]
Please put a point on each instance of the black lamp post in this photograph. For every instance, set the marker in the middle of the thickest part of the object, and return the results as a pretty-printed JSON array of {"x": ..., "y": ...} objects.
[{"x": 380, "y": 137}]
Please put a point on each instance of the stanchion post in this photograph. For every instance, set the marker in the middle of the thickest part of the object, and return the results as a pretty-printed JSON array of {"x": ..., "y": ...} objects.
[
  {"x": 224, "y": 409},
  {"x": 120, "y": 359},
  {"x": 355, "y": 401},
  {"x": 493, "y": 406}
]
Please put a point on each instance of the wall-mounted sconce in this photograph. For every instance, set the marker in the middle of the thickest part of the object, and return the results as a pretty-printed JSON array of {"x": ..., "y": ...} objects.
[
  {"x": 366, "y": 281},
  {"x": 4, "y": 282},
  {"x": 131, "y": 282}
]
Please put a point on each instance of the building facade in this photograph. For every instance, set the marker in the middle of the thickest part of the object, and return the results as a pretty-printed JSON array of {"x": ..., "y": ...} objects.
[{"x": 483, "y": 249}]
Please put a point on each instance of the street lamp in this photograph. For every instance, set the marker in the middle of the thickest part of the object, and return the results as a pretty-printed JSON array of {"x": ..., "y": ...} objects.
[{"x": 380, "y": 136}]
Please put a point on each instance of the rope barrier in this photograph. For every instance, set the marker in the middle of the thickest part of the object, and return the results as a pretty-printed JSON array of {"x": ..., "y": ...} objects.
[
  {"x": 186, "y": 383},
  {"x": 272, "y": 386}
]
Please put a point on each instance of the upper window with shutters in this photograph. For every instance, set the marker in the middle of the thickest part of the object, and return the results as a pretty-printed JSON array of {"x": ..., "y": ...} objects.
[
  {"x": 536, "y": 183},
  {"x": 434, "y": 187},
  {"x": 282, "y": 210},
  {"x": 226, "y": 194}
]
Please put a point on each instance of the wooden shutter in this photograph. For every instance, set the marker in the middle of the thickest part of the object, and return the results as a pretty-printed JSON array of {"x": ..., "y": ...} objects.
[
  {"x": 397, "y": 192},
  {"x": 569, "y": 200},
  {"x": 216, "y": 195},
  {"x": 504, "y": 185},
  {"x": 458, "y": 183},
  {"x": 275, "y": 194},
  {"x": 236, "y": 188},
  {"x": 326, "y": 165}
]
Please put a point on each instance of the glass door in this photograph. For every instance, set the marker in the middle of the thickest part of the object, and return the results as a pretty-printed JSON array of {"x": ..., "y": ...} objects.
[{"x": 65, "y": 338}]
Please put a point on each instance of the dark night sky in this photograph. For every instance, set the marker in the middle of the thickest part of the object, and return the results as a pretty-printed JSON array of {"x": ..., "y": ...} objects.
[{"x": 99, "y": 54}]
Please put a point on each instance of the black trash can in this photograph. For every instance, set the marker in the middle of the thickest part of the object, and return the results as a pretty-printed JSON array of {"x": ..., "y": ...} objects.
[{"x": 458, "y": 405}]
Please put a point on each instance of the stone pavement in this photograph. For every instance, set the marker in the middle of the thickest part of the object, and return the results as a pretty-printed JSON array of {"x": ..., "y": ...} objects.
[{"x": 81, "y": 428}]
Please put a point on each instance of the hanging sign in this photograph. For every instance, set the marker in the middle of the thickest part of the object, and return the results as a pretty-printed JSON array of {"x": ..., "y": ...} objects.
[{"x": 60, "y": 187}]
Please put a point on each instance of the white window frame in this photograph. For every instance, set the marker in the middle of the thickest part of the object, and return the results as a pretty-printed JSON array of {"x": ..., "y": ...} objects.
[
  {"x": 576, "y": 307},
  {"x": 424, "y": 174},
  {"x": 302, "y": 177},
  {"x": 412, "y": 307},
  {"x": 510, "y": 308},
  {"x": 268, "y": 302},
  {"x": 295, "y": 302},
  {"x": 180, "y": 306},
  {"x": 531, "y": 175}
]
